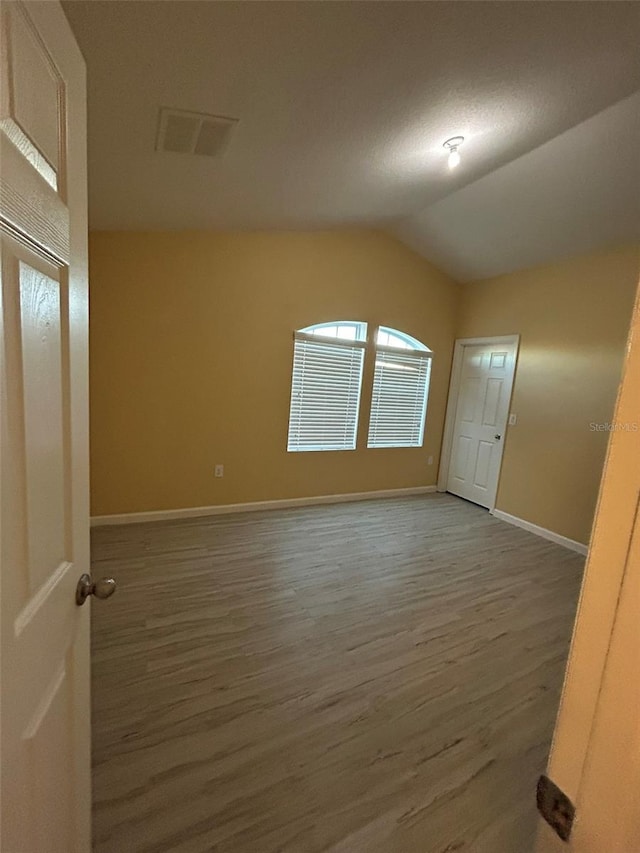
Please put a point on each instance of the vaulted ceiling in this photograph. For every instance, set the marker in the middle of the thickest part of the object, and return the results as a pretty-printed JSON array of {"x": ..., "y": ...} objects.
[{"x": 343, "y": 108}]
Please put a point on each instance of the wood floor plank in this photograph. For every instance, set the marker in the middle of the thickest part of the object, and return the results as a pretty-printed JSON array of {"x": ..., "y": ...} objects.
[{"x": 375, "y": 677}]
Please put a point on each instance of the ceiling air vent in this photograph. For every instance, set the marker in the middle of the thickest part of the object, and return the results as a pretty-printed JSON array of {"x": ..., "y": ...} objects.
[{"x": 183, "y": 132}]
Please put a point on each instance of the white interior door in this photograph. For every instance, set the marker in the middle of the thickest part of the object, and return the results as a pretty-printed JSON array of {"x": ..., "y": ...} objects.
[
  {"x": 45, "y": 775},
  {"x": 483, "y": 376}
]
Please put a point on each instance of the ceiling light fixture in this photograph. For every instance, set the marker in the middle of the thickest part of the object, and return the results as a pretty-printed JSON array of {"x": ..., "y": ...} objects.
[{"x": 452, "y": 146}]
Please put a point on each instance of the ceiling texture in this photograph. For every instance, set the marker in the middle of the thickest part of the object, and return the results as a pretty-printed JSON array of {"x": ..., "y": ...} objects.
[{"x": 342, "y": 110}]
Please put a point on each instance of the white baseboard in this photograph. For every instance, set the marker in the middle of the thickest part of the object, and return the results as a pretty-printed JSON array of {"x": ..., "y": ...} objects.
[
  {"x": 255, "y": 506},
  {"x": 541, "y": 531}
]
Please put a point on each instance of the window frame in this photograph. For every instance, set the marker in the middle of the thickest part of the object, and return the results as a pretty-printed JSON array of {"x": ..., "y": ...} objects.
[
  {"x": 329, "y": 341},
  {"x": 366, "y": 342},
  {"x": 415, "y": 350}
]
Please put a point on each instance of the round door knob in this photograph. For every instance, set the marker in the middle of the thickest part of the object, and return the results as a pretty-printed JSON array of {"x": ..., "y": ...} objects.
[
  {"x": 102, "y": 588},
  {"x": 497, "y": 436}
]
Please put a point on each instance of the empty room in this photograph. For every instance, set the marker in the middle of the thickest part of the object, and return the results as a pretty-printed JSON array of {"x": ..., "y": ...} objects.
[{"x": 320, "y": 426}]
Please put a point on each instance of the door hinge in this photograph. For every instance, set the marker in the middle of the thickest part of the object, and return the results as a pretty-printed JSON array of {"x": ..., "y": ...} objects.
[{"x": 555, "y": 807}]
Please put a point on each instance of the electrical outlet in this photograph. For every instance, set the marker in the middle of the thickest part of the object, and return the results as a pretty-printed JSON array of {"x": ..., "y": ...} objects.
[
  {"x": 218, "y": 471},
  {"x": 513, "y": 419},
  {"x": 430, "y": 460}
]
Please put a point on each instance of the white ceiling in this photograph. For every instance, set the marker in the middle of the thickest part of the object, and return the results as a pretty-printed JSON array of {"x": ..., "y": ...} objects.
[
  {"x": 343, "y": 108},
  {"x": 578, "y": 192}
]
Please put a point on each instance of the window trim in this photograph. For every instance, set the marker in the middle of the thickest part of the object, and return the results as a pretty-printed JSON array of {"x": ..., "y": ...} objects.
[
  {"x": 339, "y": 343},
  {"x": 421, "y": 353},
  {"x": 367, "y": 343}
]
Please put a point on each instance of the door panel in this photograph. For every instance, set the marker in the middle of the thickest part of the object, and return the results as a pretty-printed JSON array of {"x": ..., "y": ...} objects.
[
  {"x": 483, "y": 464},
  {"x": 35, "y": 89},
  {"x": 481, "y": 411},
  {"x": 44, "y": 520},
  {"x": 48, "y": 748},
  {"x": 461, "y": 458},
  {"x": 469, "y": 394},
  {"x": 42, "y": 354},
  {"x": 492, "y": 399}
]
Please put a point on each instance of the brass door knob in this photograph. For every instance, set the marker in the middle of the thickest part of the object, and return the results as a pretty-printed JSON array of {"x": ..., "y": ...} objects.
[{"x": 102, "y": 588}]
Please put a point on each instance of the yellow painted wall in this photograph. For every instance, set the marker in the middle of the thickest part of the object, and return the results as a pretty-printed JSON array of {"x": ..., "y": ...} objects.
[
  {"x": 573, "y": 318},
  {"x": 191, "y": 355}
]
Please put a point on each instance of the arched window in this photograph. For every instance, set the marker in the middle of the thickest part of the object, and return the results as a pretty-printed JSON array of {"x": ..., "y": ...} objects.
[
  {"x": 347, "y": 330},
  {"x": 328, "y": 360},
  {"x": 398, "y": 340},
  {"x": 325, "y": 387},
  {"x": 400, "y": 390}
]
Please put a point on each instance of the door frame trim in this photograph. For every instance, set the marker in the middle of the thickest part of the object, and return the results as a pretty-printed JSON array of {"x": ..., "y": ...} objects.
[{"x": 452, "y": 402}]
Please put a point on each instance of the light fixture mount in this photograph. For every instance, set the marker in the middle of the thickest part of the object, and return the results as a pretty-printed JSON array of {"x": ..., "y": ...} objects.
[
  {"x": 453, "y": 143},
  {"x": 452, "y": 146}
]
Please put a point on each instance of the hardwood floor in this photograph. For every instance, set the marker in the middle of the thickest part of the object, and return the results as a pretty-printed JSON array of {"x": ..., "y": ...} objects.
[{"x": 376, "y": 677}]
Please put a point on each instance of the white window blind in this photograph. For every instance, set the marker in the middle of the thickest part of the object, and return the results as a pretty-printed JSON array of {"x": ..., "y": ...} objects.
[
  {"x": 325, "y": 393},
  {"x": 399, "y": 401}
]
